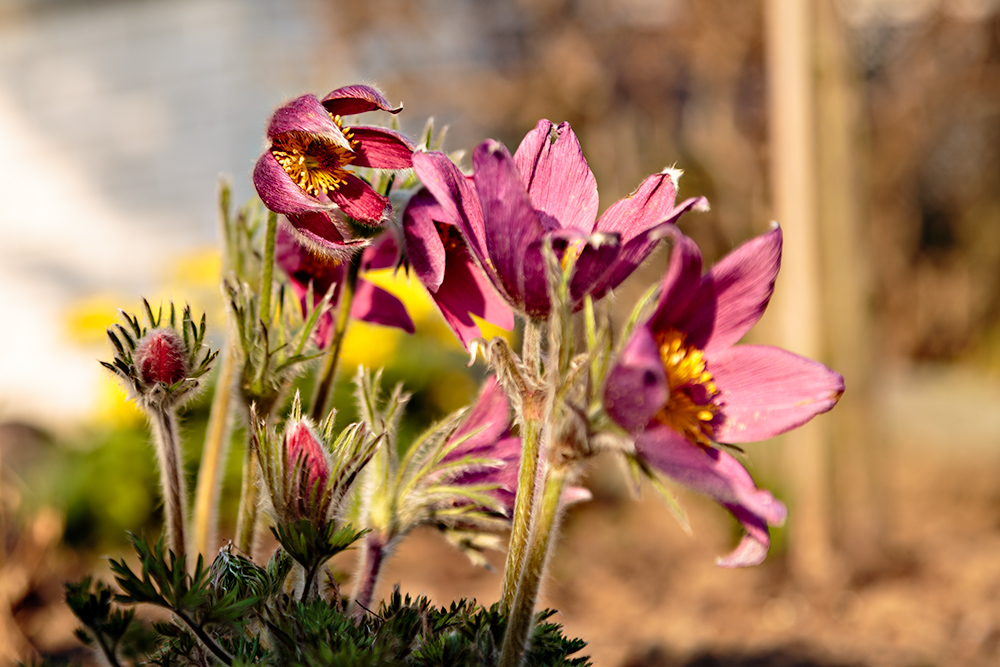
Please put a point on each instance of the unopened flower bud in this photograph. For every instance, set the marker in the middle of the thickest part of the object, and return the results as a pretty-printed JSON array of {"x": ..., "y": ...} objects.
[
  {"x": 308, "y": 462},
  {"x": 161, "y": 357}
]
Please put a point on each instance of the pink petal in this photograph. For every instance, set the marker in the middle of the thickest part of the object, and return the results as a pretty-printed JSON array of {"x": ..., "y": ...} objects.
[
  {"x": 649, "y": 205},
  {"x": 318, "y": 232},
  {"x": 487, "y": 421},
  {"x": 351, "y": 100},
  {"x": 374, "y": 304},
  {"x": 358, "y": 201},
  {"x": 510, "y": 222},
  {"x": 381, "y": 148},
  {"x": 679, "y": 285},
  {"x": 637, "y": 385},
  {"x": 635, "y": 251},
  {"x": 733, "y": 295},
  {"x": 561, "y": 187},
  {"x": 765, "y": 391},
  {"x": 456, "y": 194},
  {"x": 305, "y": 114},
  {"x": 424, "y": 249},
  {"x": 721, "y": 477},
  {"x": 279, "y": 193}
]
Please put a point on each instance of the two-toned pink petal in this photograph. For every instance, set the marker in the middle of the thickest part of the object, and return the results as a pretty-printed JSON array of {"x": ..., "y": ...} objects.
[
  {"x": 560, "y": 185},
  {"x": 280, "y": 193},
  {"x": 322, "y": 233},
  {"x": 358, "y": 201},
  {"x": 718, "y": 475},
  {"x": 377, "y": 306},
  {"x": 305, "y": 115},
  {"x": 650, "y": 204},
  {"x": 456, "y": 194},
  {"x": 765, "y": 391}
]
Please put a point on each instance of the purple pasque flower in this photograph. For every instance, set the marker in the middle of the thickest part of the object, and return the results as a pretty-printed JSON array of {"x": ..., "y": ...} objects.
[
  {"x": 304, "y": 174},
  {"x": 681, "y": 384},
  {"x": 441, "y": 260},
  {"x": 511, "y": 206},
  {"x": 484, "y": 434},
  {"x": 371, "y": 303}
]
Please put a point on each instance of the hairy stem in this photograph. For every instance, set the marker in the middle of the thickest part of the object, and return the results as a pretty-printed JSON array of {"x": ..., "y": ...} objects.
[
  {"x": 213, "y": 458},
  {"x": 205, "y": 639},
  {"x": 324, "y": 384},
  {"x": 267, "y": 268},
  {"x": 523, "y": 509},
  {"x": 246, "y": 523},
  {"x": 373, "y": 555},
  {"x": 521, "y": 616},
  {"x": 168, "y": 449}
]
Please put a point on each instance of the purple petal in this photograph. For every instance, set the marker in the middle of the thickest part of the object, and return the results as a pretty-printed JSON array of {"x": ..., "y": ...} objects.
[
  {"x": 424, "y": 248},
  {"x": 381, "y": 148},
  {"x": 456, "y": 194},
  {"x": 374, "y": 304},
  {"x": 383, "y": 253},
  {"x": 279, "y": 192},
  {"x": 305, "y": 114},
  {"x": 635, "y": 251},
  {"x": 649, "y": 205},
  {"x": 510, "y": 222},
  {"x": 765, "y": 391},
  {"x": 733, "y": 295},
  {"x": 718, "y": 475},
  {"x": 358, "y": 201},
  {"x": 487, "y": 421},
  {"x": 637, "y": 385},
  {"x": 319, "y": 232},
  {"x": 595, "y": 257},
  {"x": 466, "y": 291},
  {"x": 351, "y": 100},
  {"x": 559, "y": 182},
  {"x": 679, "y": 285}
]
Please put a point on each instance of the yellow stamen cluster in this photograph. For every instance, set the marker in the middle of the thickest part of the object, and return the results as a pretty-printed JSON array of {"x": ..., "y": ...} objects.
[
  {"x": 691, "y": 409},
  {"x": 313, "y": 163}
]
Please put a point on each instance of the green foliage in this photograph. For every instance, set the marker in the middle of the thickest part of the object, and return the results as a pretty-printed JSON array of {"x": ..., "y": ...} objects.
[{"x": 238, "y": 613}]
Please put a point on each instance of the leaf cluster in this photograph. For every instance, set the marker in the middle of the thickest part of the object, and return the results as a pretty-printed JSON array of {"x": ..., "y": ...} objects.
[{"x": 237, "y": 613}]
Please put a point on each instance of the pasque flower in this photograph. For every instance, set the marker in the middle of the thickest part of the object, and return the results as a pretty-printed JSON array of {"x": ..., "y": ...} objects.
[
  {"x": 306, "y": 173},
  {"x": 371, "y": 303},
  {"x": 512, "y": 206},
  {"x": 441, "y": 260},
  {"x": 681, "y": 384}
]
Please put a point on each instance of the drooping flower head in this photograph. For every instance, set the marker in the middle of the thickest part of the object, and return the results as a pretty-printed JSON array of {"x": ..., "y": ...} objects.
[
  {"x": 371, "y": 303},
  {"x": 681, "y": 384},
  {"x": 440, "y": 258},
  {"x": 512, "y": 206},
  {"x": 306, "y": 172}
]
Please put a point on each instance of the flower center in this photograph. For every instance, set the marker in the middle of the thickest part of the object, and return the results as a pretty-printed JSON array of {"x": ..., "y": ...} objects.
[
  {"x": 315, "y": 164},
  {"x": 691, "y": 408}
]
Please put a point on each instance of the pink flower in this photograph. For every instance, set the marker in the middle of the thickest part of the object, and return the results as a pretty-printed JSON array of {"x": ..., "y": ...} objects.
[
  {"x": 682, "y": 384},
  {"x": 308, "y": 470},
  {"x": 371, "y": 303},
  {"x": 511, "y": 206},
  {"x": 440, "y": 258},
  {"x": 305, "y": 173}
]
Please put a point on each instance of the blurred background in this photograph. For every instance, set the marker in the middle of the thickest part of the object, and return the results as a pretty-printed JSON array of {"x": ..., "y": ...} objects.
[{"x": 869, "y": 128}]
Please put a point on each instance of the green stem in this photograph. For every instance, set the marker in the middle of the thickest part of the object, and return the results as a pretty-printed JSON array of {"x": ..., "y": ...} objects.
[
  {"x": 246, "y": 522},
  {"x": 213, "y": 458},
  {"x": 522, "y": 613},
  {"x": 324, "y": 384},
  {"x": 373, "y": 554},
  {"x": 267, "y": 269},
  {"x": 171, "y": 478},
  {"x": 523, "y": 509},
  {"x": 205, "y": 639}
]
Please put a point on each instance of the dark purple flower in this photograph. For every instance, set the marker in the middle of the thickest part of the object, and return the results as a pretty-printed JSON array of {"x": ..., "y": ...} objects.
[
  {"x": 371, "y": 303},
  {"x": 681, "y": 383},
  {"x": 440, "y": 258},
  {"x": 305, "y": 174},
  {"x": 511, "y": 206}
]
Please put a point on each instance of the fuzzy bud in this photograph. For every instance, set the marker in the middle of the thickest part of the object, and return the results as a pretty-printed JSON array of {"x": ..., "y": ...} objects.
[
  {"x": 161, "y": 357},
  {"x": 308, "y": 466}
]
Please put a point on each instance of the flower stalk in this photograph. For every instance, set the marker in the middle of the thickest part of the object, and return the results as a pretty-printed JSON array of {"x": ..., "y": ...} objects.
[
  {"x": 164, "y": 425},
  {"x": 324, "y": 383}
]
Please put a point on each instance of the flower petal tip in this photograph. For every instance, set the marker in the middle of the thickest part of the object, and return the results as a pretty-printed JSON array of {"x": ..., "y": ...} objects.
[{"x": 702, "y": 205}]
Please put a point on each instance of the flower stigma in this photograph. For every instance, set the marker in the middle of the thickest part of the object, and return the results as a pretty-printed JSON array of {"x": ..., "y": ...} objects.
[{"x": 691, "y": 408}]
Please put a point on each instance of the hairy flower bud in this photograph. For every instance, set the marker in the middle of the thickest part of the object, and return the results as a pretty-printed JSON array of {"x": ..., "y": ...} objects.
[
  {"x": 161, "y": 357},
  {"x": 307, "y": 468}
]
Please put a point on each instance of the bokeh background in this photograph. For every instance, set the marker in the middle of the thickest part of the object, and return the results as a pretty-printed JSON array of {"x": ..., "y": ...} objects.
[{"x": 869, "y": 128}]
